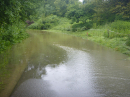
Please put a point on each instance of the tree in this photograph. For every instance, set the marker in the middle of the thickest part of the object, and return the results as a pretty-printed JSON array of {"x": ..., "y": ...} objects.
[
  {"x": 80, "y": 13},
  {"x": 60, "y": 7},
  {"x": 13, "y": 14}
]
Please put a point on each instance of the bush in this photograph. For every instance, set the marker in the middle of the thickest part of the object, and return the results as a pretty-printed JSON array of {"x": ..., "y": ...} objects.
[
  {"x": 121, "y": 26},
  {"x": 81, "y": 26},
  {"x": 45, "y": 23},
  {"x": 41, "y": 26},
  {"x": 11, "y": 34},
  {"x": 33, "y": 26}
]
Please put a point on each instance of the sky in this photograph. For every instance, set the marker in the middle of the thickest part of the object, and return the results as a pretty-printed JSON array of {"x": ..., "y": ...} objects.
[{"x": 81, "y": 0}]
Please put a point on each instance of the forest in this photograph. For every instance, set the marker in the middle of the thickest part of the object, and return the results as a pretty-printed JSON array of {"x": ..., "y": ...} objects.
[{"x": 83, "y": 19}]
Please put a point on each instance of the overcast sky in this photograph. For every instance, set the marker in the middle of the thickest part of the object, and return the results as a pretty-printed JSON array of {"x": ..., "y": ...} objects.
[{"x": 81, "y": 0}]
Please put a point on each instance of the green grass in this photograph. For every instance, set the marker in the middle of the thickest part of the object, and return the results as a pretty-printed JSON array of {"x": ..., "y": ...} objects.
[{"x": 121, "y": 27}]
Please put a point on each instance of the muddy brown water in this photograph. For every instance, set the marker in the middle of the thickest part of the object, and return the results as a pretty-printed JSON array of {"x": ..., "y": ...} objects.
[{"x": 59, "y": 65}]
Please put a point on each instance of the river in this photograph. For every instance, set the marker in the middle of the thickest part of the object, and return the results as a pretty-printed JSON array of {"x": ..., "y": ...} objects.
[{"x": 59, "y": 65}]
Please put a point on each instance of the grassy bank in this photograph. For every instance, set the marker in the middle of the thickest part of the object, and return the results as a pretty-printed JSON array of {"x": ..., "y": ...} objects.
[{"x": 113, "y": 35}]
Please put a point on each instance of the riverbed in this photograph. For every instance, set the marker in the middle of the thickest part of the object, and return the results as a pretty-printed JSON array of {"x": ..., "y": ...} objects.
[{"x": 59, "y": 65}]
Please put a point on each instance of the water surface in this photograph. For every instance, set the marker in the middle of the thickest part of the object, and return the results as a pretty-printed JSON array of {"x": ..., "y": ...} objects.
[{"x": 59, "y": 65}]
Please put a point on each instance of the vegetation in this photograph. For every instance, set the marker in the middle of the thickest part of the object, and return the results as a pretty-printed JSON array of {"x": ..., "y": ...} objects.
[
  {"x": 13, "y": 14},
  {"x": 112, "y": 17},
  {"x": 45, "y": 23},
  {"x": 47, "y": 14}
]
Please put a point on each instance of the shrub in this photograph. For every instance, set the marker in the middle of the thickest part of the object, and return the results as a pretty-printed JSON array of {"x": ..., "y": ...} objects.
[
  {"x": 33, "y": 26},
  {"x": 81, "y": 26},
  {"x": 11, "y": 34},
  {"x": 45, "y": 23},
  {"x": 121, "y": 26}
]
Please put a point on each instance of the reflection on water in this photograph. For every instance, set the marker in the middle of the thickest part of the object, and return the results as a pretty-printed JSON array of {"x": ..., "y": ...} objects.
[
  {"x": 58, "y": 65},
  {"x": 72, "y": 78}
]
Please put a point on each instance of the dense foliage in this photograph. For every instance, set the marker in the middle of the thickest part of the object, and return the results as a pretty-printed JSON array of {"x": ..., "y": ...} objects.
[
  {"x": 13, "y": 14},
  {"x": 45, "y": 13},
  {"x": 96, "y": 12},
  {"x": 45, "y": 23}
]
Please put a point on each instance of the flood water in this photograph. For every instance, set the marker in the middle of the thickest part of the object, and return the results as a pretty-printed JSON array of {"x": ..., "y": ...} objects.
[{"x": 58, "y": 65}]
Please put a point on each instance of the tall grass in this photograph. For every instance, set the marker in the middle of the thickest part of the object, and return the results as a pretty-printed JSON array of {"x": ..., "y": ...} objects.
[
  {"x": 117, "y": 29},
  {"x": 121, "y": 27}
]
